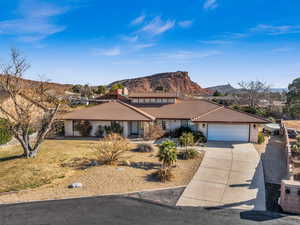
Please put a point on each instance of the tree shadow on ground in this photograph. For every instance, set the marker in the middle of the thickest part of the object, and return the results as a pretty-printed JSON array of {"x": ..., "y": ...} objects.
[{"x": 9, "y": 158}]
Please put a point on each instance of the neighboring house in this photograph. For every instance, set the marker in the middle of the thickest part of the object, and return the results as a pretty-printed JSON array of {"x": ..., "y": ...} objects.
[{"x": 217, "y": 122}]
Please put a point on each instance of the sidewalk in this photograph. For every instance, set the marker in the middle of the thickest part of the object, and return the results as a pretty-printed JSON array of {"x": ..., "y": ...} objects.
[{"x": 229, "y": 176}]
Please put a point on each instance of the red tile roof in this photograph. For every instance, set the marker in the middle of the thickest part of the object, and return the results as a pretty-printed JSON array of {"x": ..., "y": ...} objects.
[
  {"x": 195, "y": 110},
  {"x": 112, "y": 110}
]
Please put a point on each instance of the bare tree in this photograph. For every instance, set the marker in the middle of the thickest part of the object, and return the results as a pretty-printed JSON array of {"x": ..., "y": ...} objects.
[
  {"x": 253, "y": 91},
  {"x": 30, "y": 105}
]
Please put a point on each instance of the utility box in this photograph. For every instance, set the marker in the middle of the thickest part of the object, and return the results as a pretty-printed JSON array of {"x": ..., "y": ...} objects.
[{"x": 290, "y": 196}]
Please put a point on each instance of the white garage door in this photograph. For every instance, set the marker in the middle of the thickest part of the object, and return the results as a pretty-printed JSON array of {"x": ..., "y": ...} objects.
[{"x": 224, "y": 132}]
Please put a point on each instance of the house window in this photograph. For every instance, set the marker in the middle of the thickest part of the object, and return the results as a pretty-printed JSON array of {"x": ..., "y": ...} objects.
[
  {"x": 164, "y": 124},
  {"x": 158, "y": 100},
  {"x": 184, "y": 123},
  {"x": 152, "y": 100},
  {"x": 170, "y": 100},
  {"x": 165, "y": 100},
  {"x": 147, "y": 100}
]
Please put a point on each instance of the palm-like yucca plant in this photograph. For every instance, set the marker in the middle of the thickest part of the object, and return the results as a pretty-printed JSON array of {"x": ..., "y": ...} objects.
[{"x": 167, "y": 153}]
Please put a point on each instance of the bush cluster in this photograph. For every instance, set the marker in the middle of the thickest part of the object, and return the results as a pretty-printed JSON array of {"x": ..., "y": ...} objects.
[
  {"x": 144, "y": 147},
  {"x": 261, "y": 138},
  {"x": 113, "y": 148},
  {"x": 5, "y": 134},
  {"x": 177, "y": 133},
  {"x": 154, "y": 132}
]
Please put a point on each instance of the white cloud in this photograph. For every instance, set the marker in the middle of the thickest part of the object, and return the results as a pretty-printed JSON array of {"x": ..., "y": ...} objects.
[
  {"x": 210, "y": 4},
  {"x": 185, "y": 23},
  {"x": 138, "y": 20},
  {"x": 142, "y": 46},
  {"x": 131, "y": 38},
  {"x": 115, "y": 51},
  {"x": 276, "y": 30},
  {"x": 157, "y": 26},
  {"x": 34, "y": 22}
]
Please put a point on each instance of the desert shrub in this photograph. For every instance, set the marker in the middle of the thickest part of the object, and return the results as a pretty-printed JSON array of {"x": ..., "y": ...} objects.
[
  {"x": 113, "y": 148},
  {"x": 199, "y": 137},
  {"x": 298, "y": 139},
  {"x": 145, "y": 147},
  {"x": 84, "y": 128},
  {"x": 295, "y": 148},
  {"x": 186, "y": 139},
  {"x": 188, "y": 154},
  {"x": 5, "y": 134},
  {"x": 100, "y": 132},
  {"x": 154, "y": 132},
  {"x": 164, "y": 174},
  {"x": 114, "y": 128},
  {"x": 261, "y": 138},
  {"x": 176, "y": 133},
  {"x": 167, "y": 153}
]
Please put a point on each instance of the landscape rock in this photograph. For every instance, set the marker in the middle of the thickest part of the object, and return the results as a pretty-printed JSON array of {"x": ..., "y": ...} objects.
[
  {"x": 94, "y": 163},
  {"x": 75, "y": 185}
]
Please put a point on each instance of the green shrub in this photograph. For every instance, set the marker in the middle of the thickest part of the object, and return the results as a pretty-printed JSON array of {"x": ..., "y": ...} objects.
[
  {"x": 261, "y": 138},
  {"x": 176, "y": 133},
  {"x": 114, "y": 128},
  {"x": 167, "y": 153},
  {"x": 186, "y": 139},
  {"x": 145, "y": 147},
  {"x": 295, "y": 148},
  {"x": 199, "y": 137},
  {"x": 164, "y": 174},
  {"x": 5, "y": 134},
  {"x": 188, "y": 154},
  {"x": 84, "y": 128},
  {"x": 100, "y": 132},
  {"x": 298, "y": 139}
]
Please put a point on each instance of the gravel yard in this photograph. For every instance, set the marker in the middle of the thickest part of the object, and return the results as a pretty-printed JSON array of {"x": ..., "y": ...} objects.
[{"x": 66, "y": 160}]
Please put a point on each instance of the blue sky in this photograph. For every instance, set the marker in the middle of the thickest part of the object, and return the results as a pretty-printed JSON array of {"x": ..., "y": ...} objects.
[{"x": 97, "y": 42}]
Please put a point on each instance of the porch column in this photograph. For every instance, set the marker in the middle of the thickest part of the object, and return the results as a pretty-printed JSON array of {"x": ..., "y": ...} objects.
[
  {"x": 125, "y": 129},
  {"x": 68, "y": 127}
]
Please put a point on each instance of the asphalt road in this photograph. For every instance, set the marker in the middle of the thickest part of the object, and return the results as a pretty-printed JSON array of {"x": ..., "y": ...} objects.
[{"x": 120, "y": 210}]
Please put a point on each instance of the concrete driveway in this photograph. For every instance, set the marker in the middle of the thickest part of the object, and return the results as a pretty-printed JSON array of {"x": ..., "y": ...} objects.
[{"x": 231, "y": 175}]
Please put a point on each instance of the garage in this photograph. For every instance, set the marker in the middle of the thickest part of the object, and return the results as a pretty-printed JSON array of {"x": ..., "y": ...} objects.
[{"x": 228, "y": 132}]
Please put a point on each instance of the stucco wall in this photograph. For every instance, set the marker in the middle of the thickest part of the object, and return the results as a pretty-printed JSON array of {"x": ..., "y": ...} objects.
[{"x": 254, "y": 130}]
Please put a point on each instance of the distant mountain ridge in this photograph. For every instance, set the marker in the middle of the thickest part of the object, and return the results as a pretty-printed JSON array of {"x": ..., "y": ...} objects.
[
  {"x": 228, "y": 89},
  {"x": 176, "y": 82},
  {"x": 224, "y": 89}
]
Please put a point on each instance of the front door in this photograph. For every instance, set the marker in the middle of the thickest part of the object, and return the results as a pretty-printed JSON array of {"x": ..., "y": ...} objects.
[{"x": 134, "y": 128}]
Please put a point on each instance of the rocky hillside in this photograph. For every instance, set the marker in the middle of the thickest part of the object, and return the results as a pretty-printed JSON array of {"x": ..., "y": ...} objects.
[
  {"x": 168, "y": 82},
  {"x": 224, "y": 89}
]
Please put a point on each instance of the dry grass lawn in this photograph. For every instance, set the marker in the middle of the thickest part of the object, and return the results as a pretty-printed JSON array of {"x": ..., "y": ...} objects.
[
  {"x": 62, "y": 162},
  {"x": 294, "y": 124}
]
